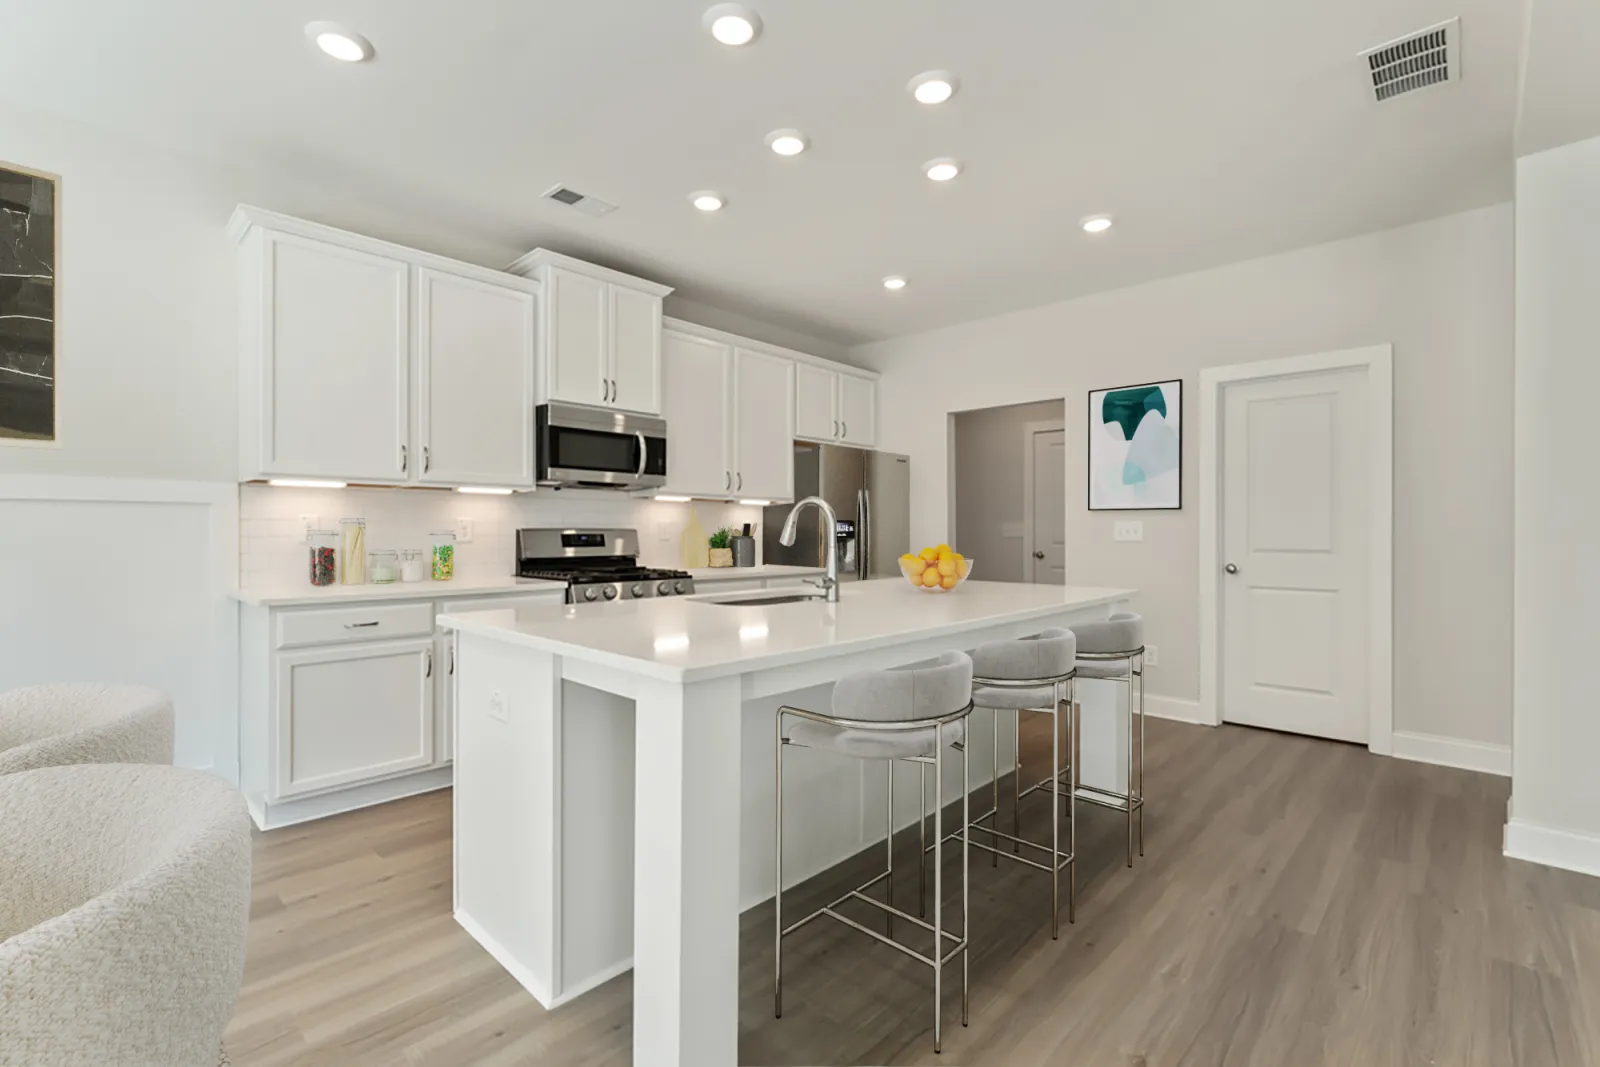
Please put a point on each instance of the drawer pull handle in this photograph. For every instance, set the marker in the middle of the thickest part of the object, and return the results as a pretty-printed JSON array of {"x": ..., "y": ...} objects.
[{"x": 359, "y": 625}]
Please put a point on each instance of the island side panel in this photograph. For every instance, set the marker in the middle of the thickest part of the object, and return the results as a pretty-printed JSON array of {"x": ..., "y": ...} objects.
[
  {"x": 686, "y": 874},
  {"x": 507, "y": 786}
]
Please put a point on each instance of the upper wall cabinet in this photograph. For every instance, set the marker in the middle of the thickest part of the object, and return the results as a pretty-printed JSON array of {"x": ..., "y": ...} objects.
[
  {"x": 602, "y": 334},
  {"x": 835, "y": 406},
  {"x": 363, "y": 361}
]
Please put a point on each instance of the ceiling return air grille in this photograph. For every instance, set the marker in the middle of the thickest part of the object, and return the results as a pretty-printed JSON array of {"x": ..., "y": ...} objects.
[
  {"x": 1431, "y": 57},
  {"x": 589, "y": 205}
]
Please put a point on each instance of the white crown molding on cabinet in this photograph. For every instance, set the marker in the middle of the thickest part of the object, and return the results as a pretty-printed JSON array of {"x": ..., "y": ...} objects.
[
  {"x": 543, "y": 257},
  {"x": 724, "y": 337}
]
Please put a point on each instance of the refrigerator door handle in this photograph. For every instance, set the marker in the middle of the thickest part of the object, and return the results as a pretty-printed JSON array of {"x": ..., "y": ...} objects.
[{"x": 863, "y": 535}]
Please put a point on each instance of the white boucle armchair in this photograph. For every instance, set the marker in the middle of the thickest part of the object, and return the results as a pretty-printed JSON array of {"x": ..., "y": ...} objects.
[
  {"x": 124, "y": 901},
  {"x": 83, "y": 722}
]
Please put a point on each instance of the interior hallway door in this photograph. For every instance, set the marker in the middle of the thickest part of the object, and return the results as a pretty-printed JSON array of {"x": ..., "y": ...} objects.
[{"x": 1049, "y": 491}]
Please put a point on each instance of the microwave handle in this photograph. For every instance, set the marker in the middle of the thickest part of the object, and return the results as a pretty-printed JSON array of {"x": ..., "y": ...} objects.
[{"x": 644, "y": 453}]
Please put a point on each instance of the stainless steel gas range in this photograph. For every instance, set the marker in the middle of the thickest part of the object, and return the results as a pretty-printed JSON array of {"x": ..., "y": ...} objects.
[{"x": 597, "y": 565}]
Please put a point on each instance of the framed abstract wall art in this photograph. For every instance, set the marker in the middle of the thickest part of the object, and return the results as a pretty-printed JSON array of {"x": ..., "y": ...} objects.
[
  {"x": 30, "y": 205},
  {"x": 1136, "y": 447}
]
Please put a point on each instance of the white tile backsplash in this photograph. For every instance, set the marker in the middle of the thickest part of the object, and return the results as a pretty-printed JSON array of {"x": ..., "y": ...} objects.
[{"x": 272, "y": 548}]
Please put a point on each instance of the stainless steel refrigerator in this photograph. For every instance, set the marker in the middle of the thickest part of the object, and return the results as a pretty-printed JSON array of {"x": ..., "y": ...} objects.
[{"x": 871, "y": 494}]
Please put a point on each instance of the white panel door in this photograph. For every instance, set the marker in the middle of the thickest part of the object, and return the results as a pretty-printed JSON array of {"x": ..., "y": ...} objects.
[
  {"x": 763, "y": 427},
  {"x": 815, "y": 393},
  {"x": 1049, "y": 563},
  {"x": 1295, "y": 554},
  {"x": 858, "y": 411},
  {"x": 335, "y": 363},
  {"x": 697, "y": 385},
  {"x": 635, "y": 350},
  {"x": 352, "y": 713},
  {"x": 475, "y": 367},
  {"x": 578, "y": 358}
]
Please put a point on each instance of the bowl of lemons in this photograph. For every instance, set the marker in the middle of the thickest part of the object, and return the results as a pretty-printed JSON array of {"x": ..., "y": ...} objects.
[{"x": 935, "y": 570}]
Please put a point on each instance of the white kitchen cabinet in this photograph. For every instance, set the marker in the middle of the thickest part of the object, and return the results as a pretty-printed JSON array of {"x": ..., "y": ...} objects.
[
  {"x": 763, "y": 421},
  {"x": 835, "y": 406},
  {"x": 475, "y": 382},
  {"x": 697, "y": 384},
  {"x": 601, "y": 339},
  {"x": 326, "y": 355},
  {"x": 352, "y": 713}
]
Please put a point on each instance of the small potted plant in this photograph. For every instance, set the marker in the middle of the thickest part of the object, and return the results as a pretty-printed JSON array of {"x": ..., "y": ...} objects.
[{"x": 721, "y": 544}]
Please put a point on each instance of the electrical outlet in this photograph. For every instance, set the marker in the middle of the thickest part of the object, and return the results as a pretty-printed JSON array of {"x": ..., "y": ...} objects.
[
  {"x": 497, "y": 706},
  {"x": 1151, "y": 659},
  {"x": 665, "y": 531},
  {"x": 309, "y": 523},
  {"x": 464, "y": 528},
  {"x": 1128, "y": 531}
]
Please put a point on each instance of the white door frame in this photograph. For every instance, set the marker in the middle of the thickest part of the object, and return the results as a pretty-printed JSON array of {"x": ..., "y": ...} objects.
[
  {"x": 1378, "y": 363},
  {"x": 1028, "y": 430}
]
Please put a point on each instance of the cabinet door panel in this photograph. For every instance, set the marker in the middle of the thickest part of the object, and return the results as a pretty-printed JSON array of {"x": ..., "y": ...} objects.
[
  {"x": 697, "y": 383},
  {"x": 335, "y": 362},
  {"x": 635, "y": 350},
  {"x": 764, "y": 418},
  {"x": 579, "y": 314},
  {"x": 858, "y": 410},
  {"x": 814, "y": 415},
  {"x": 475, "y": 360},
  {"x": 352, "y": 714}
]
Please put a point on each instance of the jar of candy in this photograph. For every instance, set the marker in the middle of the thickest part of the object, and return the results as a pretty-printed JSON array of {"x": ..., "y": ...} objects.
[
  {"x": 444, "y": 555},
  {"x": 324, "y": 546},
  {"x": 352, "y": 551},
  {"x": 383, "y": 568},
  {"x": 411, "y": 564}
]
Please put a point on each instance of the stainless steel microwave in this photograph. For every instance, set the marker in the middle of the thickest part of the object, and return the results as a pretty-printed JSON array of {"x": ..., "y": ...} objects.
[{"x": 595, "y": 448}]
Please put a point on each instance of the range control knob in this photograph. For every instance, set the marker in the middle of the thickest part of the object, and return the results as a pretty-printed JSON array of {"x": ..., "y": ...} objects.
[
  {"x": 680, "y": 587},
  {"x": 637, "y": 590},
  {"x": 611, "y": 592},
  {"x": 664, "y": 589},
  {"x": 591, "y": 593}
]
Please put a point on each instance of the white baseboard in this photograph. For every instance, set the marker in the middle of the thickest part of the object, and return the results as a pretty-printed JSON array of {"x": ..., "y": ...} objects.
[
  {"x": 281, "y": 813},
  {"x": 524, "y": 977},
  {"x": 594, "y": 981},
  {"x": 1569, "y": 850},
  {"x": 1175, "y": 708},
  {"x": 1453, "y": 752}
]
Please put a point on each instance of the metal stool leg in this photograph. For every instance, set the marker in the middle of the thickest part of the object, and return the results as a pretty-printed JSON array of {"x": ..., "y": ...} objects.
[
  {"x": 1016, "y": 781},
  {"x": 1130, "y": 763},
  {"x": 1072, "y": 800},
  {"x": 966, "y": 918},
  {"x": 1055, "y": 820},
  {"x": 889, "y": 846},
  {"x": 922, "y": 840},
  {"x": 777, "y": 889},
  {"x": 1140, "y": 664},
  {"x": 994, "y": 860},
  {"x": 938, "y": 879}
]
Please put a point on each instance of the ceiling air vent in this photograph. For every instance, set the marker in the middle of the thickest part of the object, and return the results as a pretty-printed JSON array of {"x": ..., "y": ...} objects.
[
  {"x": 589, "y": 205},
  {"x": 1416, "y": 61}
]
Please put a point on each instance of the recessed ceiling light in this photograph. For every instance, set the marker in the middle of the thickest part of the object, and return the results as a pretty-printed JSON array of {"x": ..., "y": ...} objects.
[
  {"x": 707, "y": 200},
  {"x": 1097, "y": 224},
  {"x": 933, "y": 87},
  {"x": 732, "y": 24},
  {"x": 941, "y": 170},
  {"x": 894, "y": 281},
  {"x": 787, "y": 142},
  {"x": 339, "y": 42}
]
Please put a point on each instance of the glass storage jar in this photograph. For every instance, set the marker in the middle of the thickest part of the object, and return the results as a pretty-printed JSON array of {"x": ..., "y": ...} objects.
[
  {"x": 352, "y": 551},
  {"x": 444, "y": 555},
  {"x": 324, "y": 550},
  {"x": 411, "y": 565},
  {"x": 383, "y": 567}
]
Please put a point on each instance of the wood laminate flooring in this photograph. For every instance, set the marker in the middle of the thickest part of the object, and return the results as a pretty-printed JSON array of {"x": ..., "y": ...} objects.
[{"x": 1301, "y": 902}]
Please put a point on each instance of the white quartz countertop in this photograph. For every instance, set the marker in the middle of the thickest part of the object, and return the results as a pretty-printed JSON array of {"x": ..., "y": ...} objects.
[
  {"x": 304, "y": 595},
  {"x": 687, "y": 639},
  {"x": 769, "y": 570}
]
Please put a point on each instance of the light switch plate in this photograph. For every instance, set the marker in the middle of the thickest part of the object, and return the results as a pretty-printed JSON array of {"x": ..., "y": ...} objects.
[
  {"x": 1150, "y": 657},
  {"x": 497, "y": 706},
  {"x": 1128, "y": 530},
  {"x": 308, "y": 523},
  {"x": 464, "y": 528}
]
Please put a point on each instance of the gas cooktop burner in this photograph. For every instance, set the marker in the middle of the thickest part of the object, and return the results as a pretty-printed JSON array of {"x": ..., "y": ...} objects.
[{"x": 597, "y": 565}]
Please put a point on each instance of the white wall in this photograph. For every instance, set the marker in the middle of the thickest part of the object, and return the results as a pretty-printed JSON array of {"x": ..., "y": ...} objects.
[
  {"x": 1439, "y": 291},
  {"x": 1555, "y": 804},
  {"x": 990, "y": 495}
]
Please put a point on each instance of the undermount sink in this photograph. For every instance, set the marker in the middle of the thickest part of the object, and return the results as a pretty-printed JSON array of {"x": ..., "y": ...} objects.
[{"x": 772, "y": 598}]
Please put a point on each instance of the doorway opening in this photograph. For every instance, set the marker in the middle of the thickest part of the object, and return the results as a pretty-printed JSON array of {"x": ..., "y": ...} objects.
[{"x": 1008, "y": 509}]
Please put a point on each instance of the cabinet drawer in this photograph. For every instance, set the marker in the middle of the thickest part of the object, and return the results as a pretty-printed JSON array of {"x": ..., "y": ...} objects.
[{"x": 366, "y": 622}]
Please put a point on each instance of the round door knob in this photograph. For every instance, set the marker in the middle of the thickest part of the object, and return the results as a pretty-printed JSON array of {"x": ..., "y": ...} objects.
[
  {"x": 611, "y": 592},
  {"x": 1232, "y": 568},
  {"x": 679, "y": 587},
  {"x": 1038, "y": 555},
  {"x": 664, "y": 589},
  {"x": 637, "y": 590},
  {"x": 591, "y": 594}
]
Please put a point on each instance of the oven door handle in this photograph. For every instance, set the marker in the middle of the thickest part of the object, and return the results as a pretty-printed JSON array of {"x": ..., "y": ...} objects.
[{"x": 644, "y": 453}]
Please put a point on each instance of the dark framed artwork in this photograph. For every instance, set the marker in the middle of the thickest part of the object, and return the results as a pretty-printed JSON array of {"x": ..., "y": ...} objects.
[
  {"x": 1136, "y": 447},
  {"x": 30, "y": 224}
]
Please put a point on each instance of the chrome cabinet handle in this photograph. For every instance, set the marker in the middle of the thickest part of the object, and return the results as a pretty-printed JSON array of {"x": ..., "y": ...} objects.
[
  {"x": 405, "y": 459},
  {"x": 429, "y": 672},
  {"x": 1232, "y": 568},
  {"x": 728, "y": 486},
  {"x": 740, "y": 486},
  {"x": 359, "y": 625},
  {"x": 845, "y": 432},
  {"x": 427, "y": 458},
  {"x": 605, "y": 390},
  {"x": 452, "y": 657},
  {"x": 836, "y": 427}
]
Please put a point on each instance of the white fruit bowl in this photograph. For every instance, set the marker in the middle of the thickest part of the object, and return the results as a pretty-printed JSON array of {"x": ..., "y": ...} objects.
[{"x": 964, "y": 571}]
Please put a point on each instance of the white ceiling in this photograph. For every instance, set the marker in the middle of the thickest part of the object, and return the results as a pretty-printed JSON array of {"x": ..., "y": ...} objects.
[
  {"x": 1560, "y": 75},
  {"x": 1213, "y": 133}
]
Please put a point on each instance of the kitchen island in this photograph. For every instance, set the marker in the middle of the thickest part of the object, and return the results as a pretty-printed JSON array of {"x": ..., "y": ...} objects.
[{"x": 614, "y": 778}]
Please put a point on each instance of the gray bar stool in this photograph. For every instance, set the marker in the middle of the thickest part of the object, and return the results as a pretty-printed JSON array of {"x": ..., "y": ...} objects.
[
  {"x": 1113, "y": 650},
  {"x": 1033, "y": 674},
  {"x": 909, "y": 715}
]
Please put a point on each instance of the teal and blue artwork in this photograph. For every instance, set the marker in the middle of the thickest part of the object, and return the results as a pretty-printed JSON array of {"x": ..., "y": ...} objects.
[{"x": 1136, "y": 447}]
